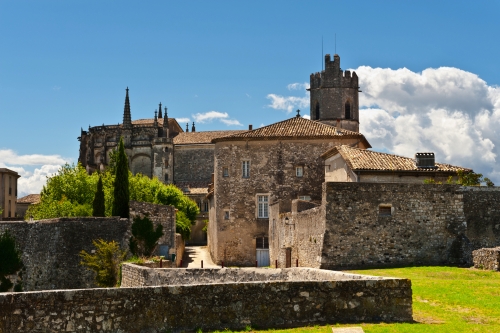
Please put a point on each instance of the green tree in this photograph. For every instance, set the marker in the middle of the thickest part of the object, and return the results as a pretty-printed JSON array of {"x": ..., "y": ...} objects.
[
  {"x": 10, "y": 260},
  {"x": 144, "y": 236},
  {"x": 121, "y": 194},
  {"x": 98, "y": 204},
  {"x": 183, "y": 225},
  {"x": 105, "y": 262}
]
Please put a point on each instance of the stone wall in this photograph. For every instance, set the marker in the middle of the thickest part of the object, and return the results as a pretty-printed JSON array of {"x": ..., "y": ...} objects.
[
  {"x": 273, "y": 173},
  {"x": 374, "y": 225},
  {"x": 262, "y": 304},
  {"x": 298, "y": 238},
  {"x": 50, "y": 248},
  {"x": 193, "y": 163},
  {"x": 158, "y": 214},
  {"x": 488, "y": 259}
]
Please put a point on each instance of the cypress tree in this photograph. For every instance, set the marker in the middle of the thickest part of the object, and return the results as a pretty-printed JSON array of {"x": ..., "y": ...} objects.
[
  {"x": 98, "y": 204},
  {"x": 121, "y": 195}
]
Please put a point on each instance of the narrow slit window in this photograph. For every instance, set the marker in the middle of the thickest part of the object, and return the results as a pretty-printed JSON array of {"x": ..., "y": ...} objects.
[
  {"x": 385, "y": 210},
  {"x": 347, "y": 110}
]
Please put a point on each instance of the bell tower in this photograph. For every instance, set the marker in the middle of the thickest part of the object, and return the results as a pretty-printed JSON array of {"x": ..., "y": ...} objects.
[{"x": 334, "y": 96}]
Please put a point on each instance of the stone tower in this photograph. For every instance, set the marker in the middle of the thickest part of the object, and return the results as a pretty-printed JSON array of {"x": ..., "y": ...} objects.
[{"x": 334, "y": 96}]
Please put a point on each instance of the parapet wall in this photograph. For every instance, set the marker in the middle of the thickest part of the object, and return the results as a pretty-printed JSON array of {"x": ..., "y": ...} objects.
[
  {"x": 263, "y": 304},
  {"x": 50, "y": 248}
]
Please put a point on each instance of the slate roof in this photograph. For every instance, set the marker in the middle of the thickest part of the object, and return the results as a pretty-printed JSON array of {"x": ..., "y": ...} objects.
[
  {"x": 362, "y": 159},
  {"x": 201, "y": 137},
  {"x": 294, "y": 128},
  {"x": 29, "y": 199}
]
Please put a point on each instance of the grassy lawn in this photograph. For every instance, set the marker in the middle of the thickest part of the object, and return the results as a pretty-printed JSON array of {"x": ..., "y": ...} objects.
[{"x": 445, "y": 299}]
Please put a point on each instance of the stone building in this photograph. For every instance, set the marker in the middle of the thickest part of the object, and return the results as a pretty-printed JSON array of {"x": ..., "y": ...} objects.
[
  {"x": 8, "y": 192},
  {"x": 24, "y": 203},
  {"x": 385, "y": 224},
  {"x": 254, "y": 168},
  {"x": 350, "y": 164},
  {"x": 158, "y": 147}
]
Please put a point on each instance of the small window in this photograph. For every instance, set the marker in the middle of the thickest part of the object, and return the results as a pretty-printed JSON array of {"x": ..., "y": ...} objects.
[
  {"x": 165, "y": 149},
  {"x": 166, "y": 164},
  {"x": 206, "y": 206},
  {"x": 317, "y": 111},
  {"x": 385, "y": 210},
  {"x": 225, "y": 172},
  {"x": 226, "y": 215},
  {"x": 263, "y": 206},
  {"x": 166, "y": 177},
  {"x": 347, "y": 110},
  {"x": 262, "y": 242},
  {"x": 305, "y": 197},
  {"x": 246, "y": 169},
  {"x": 299, "y": 171}
]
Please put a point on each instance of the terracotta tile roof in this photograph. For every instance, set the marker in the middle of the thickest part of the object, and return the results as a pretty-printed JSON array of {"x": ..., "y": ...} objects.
[
  {"x": 294, "y": 128},
  {"x": 362, "y": 159},
  {"x": 201, "y": 137},
  {"x": 30, "y": 199},
  {"x": 198, "y": 190}
]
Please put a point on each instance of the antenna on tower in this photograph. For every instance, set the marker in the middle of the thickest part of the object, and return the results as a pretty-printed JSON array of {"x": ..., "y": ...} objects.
[{"x": 321, "y": 52}]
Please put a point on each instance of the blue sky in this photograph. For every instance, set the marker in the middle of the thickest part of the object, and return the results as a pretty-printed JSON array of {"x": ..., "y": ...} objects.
[{"x": 65, "y": 65}]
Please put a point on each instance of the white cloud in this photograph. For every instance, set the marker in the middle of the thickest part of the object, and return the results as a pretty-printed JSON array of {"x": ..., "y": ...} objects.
[
  {"x": 306, "y": 116},
  {"x": 209, "y": 116},
  {"x": 12, "y": 158},
  {"x": 182, "y": 120},
  {"x": 290, "y": 103},
  {"x": 33, "y": 169},
  {"x": 446, "y": 110}
]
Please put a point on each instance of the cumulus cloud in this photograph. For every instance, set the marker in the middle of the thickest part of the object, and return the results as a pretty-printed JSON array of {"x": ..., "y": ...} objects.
[
  {"x": 33, "y": 169},
  {"x": 448, "y": 111},
  {"x": 210, "y": 116},
  {"x": 290, "y": 103},
  {"x": 306, "y": 116}
]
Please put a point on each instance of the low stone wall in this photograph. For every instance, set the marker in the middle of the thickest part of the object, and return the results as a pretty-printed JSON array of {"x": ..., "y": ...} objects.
[
  {"x": 140, "y": 276},
  {"x": 262, "y": 304},
  {"x": 488, "y": 259}
]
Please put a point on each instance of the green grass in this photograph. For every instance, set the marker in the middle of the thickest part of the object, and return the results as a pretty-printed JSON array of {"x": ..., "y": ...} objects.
[{"x": 445, "y": 299}]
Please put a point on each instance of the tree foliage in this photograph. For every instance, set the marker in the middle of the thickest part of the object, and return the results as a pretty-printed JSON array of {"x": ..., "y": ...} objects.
[
  {"x": 105, "y": 262},
  {"x": 58, "y": 199},
  {"x": 98, "y": 206},
  {"x": 465, "y": 179},
  {"x": 144, "y": 236},
  {"x": 183, "y": 225},
  {"x": 121, "y": 194},
  {"x": 10, "y": 260}
]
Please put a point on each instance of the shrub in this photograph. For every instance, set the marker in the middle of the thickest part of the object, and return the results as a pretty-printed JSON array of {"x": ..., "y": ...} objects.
[
  {"x": 105, "y": 262},
  {"x": 144, "y": 236},
  {"x": 10, "y": 260}
]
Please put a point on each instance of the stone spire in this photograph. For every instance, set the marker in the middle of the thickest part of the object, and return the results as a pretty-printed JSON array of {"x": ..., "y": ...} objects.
[
  {"x": 193, "y": 129},
  {"x": 159, "y": 112},
  {"x": 187, "y": 127},
  {"x": 165, "y": 124},
  {"x": 127, "y": 119}
]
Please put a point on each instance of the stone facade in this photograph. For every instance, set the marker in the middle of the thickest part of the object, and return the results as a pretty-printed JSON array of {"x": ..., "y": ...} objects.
[
  {"x": 334, "y": 96},
  {"x": 8, "y": 193},
  {"x": 50, "y": 248},
  {"x": 488, "y": 259},
  {"x": 235, "y": 223},
  {"x": 214, "y": 306},
  {"x": 376, "y": 225}
]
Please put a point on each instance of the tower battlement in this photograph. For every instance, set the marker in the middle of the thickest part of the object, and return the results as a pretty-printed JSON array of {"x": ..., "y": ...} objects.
[{"x": 334, "y": 95}]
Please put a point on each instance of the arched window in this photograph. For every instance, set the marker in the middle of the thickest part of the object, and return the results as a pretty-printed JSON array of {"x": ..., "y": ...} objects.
[
  {"x": 166, "y": 177},
  {"x": 317, "y": 111},
  {"x": 347, "y": 110}
]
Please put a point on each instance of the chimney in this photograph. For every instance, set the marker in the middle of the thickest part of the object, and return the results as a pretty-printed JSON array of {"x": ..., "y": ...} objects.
[
  {"x": 250, "y": 127},
  {"x": 338, "y": 125},
  {"x": 425, "y": 160}
]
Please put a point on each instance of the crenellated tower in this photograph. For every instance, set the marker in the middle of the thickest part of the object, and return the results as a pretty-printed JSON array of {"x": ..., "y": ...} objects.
[{"x": 334, "y": 96}]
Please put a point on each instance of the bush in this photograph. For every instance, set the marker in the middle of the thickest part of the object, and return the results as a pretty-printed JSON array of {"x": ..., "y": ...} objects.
[
  {"x": 105, "y": 262},
  {"x": 144, "y": 236},
  {"x": 10, "y": 260}
]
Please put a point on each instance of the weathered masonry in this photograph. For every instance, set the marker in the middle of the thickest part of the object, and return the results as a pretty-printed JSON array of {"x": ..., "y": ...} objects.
[
  {"x": 377, "y": 225},
  {"x": 230, "y": 299},
  {"x": 50, "y": 248}
]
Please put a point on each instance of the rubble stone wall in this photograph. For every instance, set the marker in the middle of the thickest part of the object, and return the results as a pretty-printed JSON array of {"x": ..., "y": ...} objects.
[
  {"x": 262, "y": 304},
  {"x": 488, "y": 259}
]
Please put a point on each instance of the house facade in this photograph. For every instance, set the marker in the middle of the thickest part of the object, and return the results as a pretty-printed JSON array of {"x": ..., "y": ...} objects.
[{"x": 8, "y": 192}]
